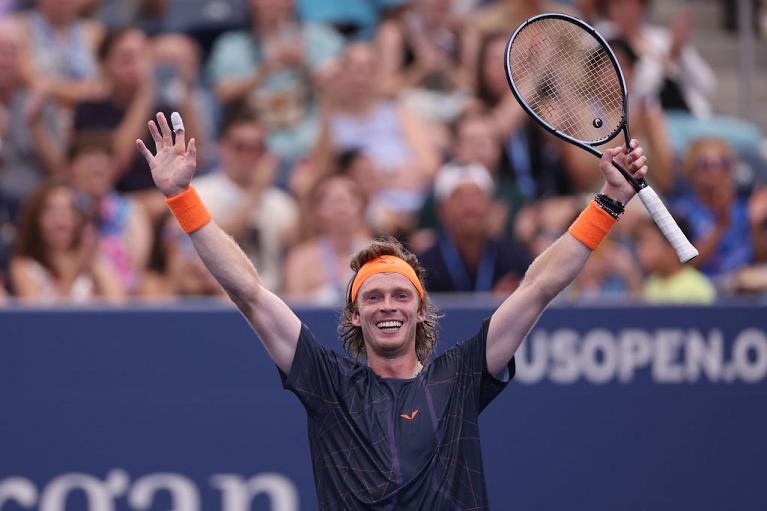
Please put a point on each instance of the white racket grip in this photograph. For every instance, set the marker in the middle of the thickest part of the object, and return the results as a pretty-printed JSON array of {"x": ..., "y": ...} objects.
[{"x": 684, "y": 249}]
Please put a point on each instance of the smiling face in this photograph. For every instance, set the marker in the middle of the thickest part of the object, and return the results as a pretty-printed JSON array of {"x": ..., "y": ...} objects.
[{"x": 388, "y": 312}]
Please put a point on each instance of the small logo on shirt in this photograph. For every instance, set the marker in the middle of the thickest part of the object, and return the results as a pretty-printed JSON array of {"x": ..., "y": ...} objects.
[{"x": 409, "y": 417}]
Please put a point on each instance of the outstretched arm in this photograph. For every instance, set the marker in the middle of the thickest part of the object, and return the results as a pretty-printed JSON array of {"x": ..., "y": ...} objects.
[
  {"x": 553, "y": 270},
  {"x": 278, "y": 327}
]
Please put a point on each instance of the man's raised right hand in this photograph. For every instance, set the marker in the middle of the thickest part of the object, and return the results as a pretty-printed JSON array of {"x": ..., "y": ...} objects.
[{"x": 174, "y": 164}]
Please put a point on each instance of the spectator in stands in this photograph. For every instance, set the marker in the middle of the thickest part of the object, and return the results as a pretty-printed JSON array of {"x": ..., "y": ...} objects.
[
  {"x": 501, "y": 16},
  {"x": 395, "y": 140},
  {"x": 130, "y": 96},
  {"x": 541, "y": 222},
  {"x": 177, "y": 60},
  {"x": 123, "y": 227},
  {"x": 187, "y": 274},
  {"x": 428, "y": 54},
  {"x": 473, "y": 141},
  {"x": 647, "y": 123},
  {"x": 611, "y": 273},
  {"x": 670, "y": 70},
  {"x": 55, "y": 256},
  {"x": 242, "y": 196},
  {"x": 531, "y": 158},
  {"x": 669, "y": 281},
  {"x": 358, "y": 166},
  {"x": 465, "y": 258},
  {"x": 354, "y": 19},
  {"x": 274, "y": 66},
  {"x": 60, "y": 50},
  {"x": 317, "y": 270},
  {"x": 728, "y": 230},
  {"x": 352, "y": 163},
  {"x": 31, "y": 133}
]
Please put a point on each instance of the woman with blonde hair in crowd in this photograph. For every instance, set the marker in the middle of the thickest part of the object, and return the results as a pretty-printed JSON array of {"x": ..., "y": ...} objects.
[
  {"x": 55, "y": 254},
  {"x": 398, "y": 142}
]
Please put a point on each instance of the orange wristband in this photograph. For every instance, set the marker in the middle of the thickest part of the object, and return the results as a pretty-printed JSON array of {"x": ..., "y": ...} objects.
[
  {"x": 592, "y": 225},
  {"x": 189, "y": 210}
]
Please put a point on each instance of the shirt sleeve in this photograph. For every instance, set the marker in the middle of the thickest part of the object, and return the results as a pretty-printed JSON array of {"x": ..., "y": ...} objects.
[
  {"x": 315, "y": 374},
  {"x": 471, "y": 354}
]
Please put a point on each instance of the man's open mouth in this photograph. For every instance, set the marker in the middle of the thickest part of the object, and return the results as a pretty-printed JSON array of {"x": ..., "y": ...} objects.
[{"x": 389, "y": 324}]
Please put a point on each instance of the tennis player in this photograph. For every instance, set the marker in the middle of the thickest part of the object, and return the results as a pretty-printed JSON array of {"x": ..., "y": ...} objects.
[{"x": 390, "y": 428}]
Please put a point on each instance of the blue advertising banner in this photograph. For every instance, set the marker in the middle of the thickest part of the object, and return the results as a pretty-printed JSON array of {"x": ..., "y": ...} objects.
[{"x": 619, "y": 408}]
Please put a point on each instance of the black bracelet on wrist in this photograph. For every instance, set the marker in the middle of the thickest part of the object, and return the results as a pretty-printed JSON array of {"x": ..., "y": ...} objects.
[{"x": 614, "y": 207}]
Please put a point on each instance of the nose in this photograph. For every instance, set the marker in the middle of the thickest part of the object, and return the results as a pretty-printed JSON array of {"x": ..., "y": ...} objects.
[{"x": 387, "y": 304}]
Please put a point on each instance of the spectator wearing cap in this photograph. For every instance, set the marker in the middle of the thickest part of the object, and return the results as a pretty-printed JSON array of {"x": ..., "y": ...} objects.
[{"x": 464, "y": 256}]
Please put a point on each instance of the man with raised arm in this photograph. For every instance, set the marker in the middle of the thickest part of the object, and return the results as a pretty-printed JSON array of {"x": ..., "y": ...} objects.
[{"x": 390, "y": 427}]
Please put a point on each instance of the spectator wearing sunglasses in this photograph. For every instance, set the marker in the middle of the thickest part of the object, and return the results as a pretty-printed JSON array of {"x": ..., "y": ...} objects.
[{"x": 728, "y": 229}]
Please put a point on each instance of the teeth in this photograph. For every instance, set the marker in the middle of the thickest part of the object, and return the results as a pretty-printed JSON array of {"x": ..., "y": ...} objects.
[{"x": 389, "y": 324}]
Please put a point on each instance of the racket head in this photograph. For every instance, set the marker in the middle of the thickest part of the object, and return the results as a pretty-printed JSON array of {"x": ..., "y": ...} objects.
[{"x": 566, "y": 76}]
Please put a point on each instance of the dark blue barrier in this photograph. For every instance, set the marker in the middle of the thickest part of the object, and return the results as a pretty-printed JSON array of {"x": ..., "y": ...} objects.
[{"x": 613, "y": 409}]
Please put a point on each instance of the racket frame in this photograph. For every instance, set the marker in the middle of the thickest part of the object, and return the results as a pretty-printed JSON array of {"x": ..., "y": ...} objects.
[
  {"x": 684, "y": 249},
  {"x": 637, "y": 184}
]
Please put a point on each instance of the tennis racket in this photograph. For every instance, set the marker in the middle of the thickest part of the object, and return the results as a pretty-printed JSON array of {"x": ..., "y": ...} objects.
[{"x": 566, "y": 77}]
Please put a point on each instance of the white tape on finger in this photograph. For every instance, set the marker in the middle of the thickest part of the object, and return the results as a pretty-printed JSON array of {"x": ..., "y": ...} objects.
[
  {"x": 684, "y": 249},
  {"x": 176, "y": 122}
]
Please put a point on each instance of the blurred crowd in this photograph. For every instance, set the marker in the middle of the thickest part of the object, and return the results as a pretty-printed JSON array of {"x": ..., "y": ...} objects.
[{"x": 321, "y": 124}]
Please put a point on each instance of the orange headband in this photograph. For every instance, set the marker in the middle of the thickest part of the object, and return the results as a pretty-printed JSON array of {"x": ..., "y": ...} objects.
[{"x": 385, "y": 264}]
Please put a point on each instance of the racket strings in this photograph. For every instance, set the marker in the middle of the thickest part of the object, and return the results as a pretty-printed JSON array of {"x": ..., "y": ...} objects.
[{"x": 567, "y": 78}]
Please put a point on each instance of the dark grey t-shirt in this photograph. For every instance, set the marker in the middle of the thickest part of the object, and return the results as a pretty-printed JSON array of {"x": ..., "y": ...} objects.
[{"x": 395, "y": 444}]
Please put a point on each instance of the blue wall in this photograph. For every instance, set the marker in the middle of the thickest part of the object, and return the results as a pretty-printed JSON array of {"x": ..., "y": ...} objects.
[{"x": 613, "y": 408}]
